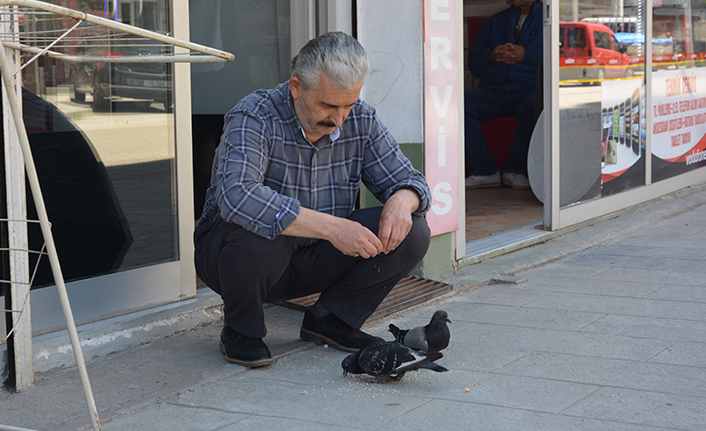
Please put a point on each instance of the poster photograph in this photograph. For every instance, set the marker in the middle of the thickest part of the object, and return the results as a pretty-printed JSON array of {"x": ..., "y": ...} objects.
[
  {"x": 679, "y": 122},
  {"x": 623, "y": 133}
]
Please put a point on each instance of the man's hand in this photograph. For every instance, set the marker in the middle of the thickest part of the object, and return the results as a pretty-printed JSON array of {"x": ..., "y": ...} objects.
[
  {"x": 508, "y": 54},
  {"x": 396, "y": 218},
  {"x": 349, "y": 237},
  {"x": 352, "y": 238}
]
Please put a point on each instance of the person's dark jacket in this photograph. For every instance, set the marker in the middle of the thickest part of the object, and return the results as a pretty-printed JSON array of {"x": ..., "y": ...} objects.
[{"x": 499, "y": 30}]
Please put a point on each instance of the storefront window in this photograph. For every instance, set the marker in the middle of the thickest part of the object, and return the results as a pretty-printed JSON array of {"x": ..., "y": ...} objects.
[
  {"x": 678, "y": 87},
  {"x": 258, "y": 33},
  {"x": 102, "y": 136},
  {"x": 601, "y": 98}
]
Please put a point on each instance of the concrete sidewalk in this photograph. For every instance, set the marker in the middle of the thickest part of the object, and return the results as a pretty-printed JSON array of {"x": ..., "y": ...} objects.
[{"x": 600, "y": 329}]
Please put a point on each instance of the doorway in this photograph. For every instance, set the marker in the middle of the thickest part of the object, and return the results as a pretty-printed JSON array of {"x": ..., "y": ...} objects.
[{"x": 492, "y": 211}]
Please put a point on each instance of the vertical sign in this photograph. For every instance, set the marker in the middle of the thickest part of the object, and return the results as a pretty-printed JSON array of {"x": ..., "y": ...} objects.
[{"x": 441, "y": 114}]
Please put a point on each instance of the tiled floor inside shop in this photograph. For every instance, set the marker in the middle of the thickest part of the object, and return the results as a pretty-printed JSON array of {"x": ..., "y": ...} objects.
[{"x": 494, "y": 210}]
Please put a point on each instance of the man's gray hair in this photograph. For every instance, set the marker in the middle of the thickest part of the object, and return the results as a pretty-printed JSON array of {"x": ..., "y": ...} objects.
[{"x": 338, "y": 55}]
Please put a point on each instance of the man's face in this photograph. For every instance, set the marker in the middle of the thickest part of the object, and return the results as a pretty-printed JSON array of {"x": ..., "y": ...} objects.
[{"x": 323, "y": 107}]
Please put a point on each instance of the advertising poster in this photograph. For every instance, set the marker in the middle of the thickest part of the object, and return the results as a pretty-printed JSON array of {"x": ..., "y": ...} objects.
[
  {"x": 623, "y": 132},
  {"x": 679, "y": 122},
  {"x": 441, "y": 114}
]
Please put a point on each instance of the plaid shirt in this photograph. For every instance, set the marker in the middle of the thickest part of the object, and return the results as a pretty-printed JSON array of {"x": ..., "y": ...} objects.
[{"x": 265, "y": 168}]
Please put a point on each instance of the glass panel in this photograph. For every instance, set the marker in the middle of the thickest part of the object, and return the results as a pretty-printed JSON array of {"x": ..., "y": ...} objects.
[
  {"x": 258, "y": 32},
  {"x": 601, "y": 98},
  {"x": 678, "y": 87},
  {"x": 102, "y": 136}
]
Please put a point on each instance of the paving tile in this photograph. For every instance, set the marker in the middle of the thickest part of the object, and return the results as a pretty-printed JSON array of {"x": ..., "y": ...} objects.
[
  {"x": 663, "y": 378},
  {"x": 621, "y": 249},
  {"x": 469, "y": 416},
  {"x": 666, "y": 236},
  {"x": 501, "y": 295},
  {"x": 643, "y": 408},
  {"x": 642, "y": 262},
  {"x": 688, "y": 354},
  {"x": 622, "y": 306},
  {"x": 560, "y": 341},
  {"x": 341, "y": 402},
  {"x": 542, "y": 395},
  {"x": 518, "y": 316},
  {"x": 591, "y": 286},
  {"x": 656, "y": 328},
  {"x": 652, "y": 276},
  {"x": 563, "y": 269},
  {"x": 169, "y": 417},
  {"x": 679, "y": 293},
  {"x": 268, "y": 423}
]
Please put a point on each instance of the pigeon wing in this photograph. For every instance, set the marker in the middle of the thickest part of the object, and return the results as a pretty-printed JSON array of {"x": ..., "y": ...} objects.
[
  {"x": 382, "y": 358},
  {"x": 416, "y": 338}
]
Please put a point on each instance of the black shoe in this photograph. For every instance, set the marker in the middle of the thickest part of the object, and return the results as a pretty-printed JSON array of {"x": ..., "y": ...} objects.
[
  {"x": 241, "y": 350},
  {"x": 331, "y": 330}
]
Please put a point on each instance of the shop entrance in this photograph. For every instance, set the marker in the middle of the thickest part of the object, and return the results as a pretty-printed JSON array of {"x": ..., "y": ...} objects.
[{"x": 497, "y": 210}]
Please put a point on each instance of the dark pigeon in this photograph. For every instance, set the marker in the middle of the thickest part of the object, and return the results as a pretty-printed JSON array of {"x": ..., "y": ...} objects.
[
  {"x": 389, "y": 360},
  {"x": 433, "y": 337}
]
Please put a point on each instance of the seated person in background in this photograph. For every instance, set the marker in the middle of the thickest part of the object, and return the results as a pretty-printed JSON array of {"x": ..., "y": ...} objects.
[{"x": 504, "y": 56}]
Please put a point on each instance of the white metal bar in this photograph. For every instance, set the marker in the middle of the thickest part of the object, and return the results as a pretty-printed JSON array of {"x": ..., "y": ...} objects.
[
  {"x": 551, "y": 114},
  {"x": 184, "y": 157},
  {"x": 59, "y": 10},
  {"x": 21, "y": 330},
  {"x": 47, "y": 48},
  {"x": 48, "y": 237},
  {"x": 460, "y": 235},
  {"x": 176, "y": 58},
  {"x": 648, "y": 92}
]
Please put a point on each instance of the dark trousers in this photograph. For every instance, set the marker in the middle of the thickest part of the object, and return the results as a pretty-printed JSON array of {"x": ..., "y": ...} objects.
[
  {"x": 248, "y": 270},
  {"x": 485, "y": 103}
]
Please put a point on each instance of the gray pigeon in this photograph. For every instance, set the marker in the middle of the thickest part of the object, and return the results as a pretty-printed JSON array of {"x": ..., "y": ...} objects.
[
  {"x": 389, "y": 360},
  {"x": 433, "y": 337}
]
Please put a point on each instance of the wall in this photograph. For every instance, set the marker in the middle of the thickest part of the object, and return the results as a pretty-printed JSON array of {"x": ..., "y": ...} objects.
[{"x": 392, "y": 34}]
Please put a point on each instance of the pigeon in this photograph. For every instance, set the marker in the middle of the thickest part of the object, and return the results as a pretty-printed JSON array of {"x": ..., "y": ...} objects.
[
  {"x": 433, "y": 337},
  {"x": 389, "y": 361}
]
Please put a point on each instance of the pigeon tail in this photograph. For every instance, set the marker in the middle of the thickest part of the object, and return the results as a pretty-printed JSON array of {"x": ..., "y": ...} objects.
[
  {"x": 434, "y": 367},
  {"x": 422, "y": 360},
  {"x": 398, "y": 333}
]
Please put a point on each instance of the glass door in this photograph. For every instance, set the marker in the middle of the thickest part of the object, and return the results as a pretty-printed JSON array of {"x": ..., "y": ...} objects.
[{"x": 103, "y": 140}]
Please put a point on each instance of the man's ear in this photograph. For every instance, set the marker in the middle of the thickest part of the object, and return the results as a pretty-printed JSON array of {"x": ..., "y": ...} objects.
[{"x": 295, "y": 86}]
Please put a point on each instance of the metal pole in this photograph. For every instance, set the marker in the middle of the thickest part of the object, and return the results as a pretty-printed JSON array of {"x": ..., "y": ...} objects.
[{"x": 48, "y": 238}]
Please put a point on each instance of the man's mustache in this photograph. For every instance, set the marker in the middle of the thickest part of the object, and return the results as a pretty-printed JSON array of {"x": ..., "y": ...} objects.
[{"x": 326, "y": 123}]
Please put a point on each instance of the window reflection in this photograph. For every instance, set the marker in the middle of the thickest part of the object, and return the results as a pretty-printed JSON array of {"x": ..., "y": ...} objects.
[
  {"x": 601, "y": 99},
  {"x": 103, "y": 140},
  {"x": 258, "y": 33}
]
